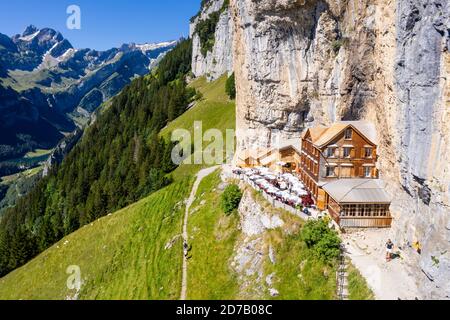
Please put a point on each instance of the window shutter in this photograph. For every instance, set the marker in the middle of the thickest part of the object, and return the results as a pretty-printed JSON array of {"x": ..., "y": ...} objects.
[
  {"x": 361, "y": 171},
  {"x": 353, "y": 153},
  {"x": 363, "y": 153},
  {"x": 374, "y": 172}
]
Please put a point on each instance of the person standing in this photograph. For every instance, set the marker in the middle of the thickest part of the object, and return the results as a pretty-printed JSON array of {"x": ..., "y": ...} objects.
[{"x": 389, "y": 250}]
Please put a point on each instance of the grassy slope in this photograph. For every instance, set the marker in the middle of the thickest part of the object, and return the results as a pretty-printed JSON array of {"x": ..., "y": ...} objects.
[
  {"x": 122, "y": 256},
  {"x": 214, "y": 236},
  {"x": 357, "y": 285},
  {"x": 298, "y": 274},
  {"x": 215, "y": 110}
]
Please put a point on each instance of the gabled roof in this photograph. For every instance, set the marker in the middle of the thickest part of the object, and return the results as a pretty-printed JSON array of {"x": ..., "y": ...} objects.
[
  {"x": 367, "y": 129},
  {"x": 330, "y": 133},
  {"x": 358, "y": 191},
  {"x": 250, "y": 153},
  {"x": 321, "y": 136},
  {"x": 264, "y": 154},
  {"x": 315, "y": 132}
]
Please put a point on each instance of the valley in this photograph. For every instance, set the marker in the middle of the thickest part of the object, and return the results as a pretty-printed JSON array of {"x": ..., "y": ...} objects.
[{"x": 50, "y": 88}]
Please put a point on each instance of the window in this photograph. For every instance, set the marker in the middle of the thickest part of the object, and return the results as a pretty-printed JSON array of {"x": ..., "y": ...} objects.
[
  {"x": 367, "y": 172},
  {"x": 348, "y": 134},
  {"x": 331, "y": 171},
  {"x": 331, "y": 152},
  {"x": 368, "y": 152},
  {"x": 347, "y": 152}
]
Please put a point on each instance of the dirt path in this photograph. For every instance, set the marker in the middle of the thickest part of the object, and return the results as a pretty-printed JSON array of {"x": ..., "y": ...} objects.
[
  {"x": 388, "y": 280},
  {"x": 200, "y": 176}
]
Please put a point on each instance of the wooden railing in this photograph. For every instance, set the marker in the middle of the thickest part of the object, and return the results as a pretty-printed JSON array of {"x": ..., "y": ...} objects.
[{"x": 365, "y": 222}]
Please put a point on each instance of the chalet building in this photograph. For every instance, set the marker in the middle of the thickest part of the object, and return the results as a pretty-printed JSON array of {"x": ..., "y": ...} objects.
[
  {"x": 338, "y": 167},
  {"x": 283, "y": 159}
]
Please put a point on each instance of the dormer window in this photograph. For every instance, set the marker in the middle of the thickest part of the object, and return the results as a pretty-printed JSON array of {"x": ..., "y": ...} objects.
[{"x": 348, "y": 134}]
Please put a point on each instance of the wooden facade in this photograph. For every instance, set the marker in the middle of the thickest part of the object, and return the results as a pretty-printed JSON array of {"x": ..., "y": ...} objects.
[
  {"x": 329, "y": 156},
  {"x": 360, "y": 215},
  {"x": 288, "y": 155},
  {"x": 341, "y": 151},
  {"x": 340, "y": 157}
]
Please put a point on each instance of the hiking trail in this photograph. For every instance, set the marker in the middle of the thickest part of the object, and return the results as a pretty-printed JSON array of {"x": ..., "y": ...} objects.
[{"x": 200, "y": 176}]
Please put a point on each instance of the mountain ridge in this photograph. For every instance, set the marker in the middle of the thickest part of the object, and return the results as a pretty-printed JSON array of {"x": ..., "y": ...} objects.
[{"x": 50, "y": 84}]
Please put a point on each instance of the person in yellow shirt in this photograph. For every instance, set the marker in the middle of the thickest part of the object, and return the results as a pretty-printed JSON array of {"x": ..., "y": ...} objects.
[{"x": 417, "y": 246}]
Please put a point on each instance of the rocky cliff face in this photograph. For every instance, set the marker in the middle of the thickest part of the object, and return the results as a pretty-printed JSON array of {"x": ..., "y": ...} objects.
[
  {"x": 300, "y": 63},
  {"x": 218, "y": 59}
]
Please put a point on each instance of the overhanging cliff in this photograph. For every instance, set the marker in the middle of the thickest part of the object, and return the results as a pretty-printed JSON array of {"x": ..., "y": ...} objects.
[{"x": 301, "y": 63}]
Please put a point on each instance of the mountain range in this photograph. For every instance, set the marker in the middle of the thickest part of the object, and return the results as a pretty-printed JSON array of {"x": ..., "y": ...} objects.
[{"x": 48, "y": 87}]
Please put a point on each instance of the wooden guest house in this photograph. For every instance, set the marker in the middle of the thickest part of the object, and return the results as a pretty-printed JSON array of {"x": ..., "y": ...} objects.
[{"x": 338, "y": 167}]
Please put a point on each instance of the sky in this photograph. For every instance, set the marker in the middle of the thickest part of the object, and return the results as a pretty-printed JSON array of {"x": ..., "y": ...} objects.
[{"x": 104, "y": 23}]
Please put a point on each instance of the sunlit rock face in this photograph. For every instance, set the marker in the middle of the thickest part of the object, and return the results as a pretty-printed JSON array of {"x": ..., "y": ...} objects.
[
  {"x": 301, "y": 63},
  {"x": 219, "y": 60}
]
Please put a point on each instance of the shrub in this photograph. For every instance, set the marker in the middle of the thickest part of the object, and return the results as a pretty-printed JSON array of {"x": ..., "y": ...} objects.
[
  {"x": 322, "y": 240},
  {"x": 206, "y": 30},
  {"x": 328, "y": 248},
  {"x": 230, "y": 87},
  {"x": 337, "y": 46},
  {"x": 231, "y": 198}
]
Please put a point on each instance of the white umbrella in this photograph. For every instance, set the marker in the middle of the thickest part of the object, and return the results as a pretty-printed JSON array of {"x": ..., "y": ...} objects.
[
  {"x": 249, "y": 172},
  {"x": 283, "y": 186},
  {"x": 302, "y": 193},
  {"x": 272, "y": 189},
  {"x": 263, "y": 170}
]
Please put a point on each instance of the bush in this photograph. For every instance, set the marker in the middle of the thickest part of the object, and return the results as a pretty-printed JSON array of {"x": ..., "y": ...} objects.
[
  {"x": 339, "y": 43},
  {"x": 231, "y": 198},
  {"x": 322, "y": 240},
  {"x": 230, "y": 87},
  {"x": 328, "y": 248},
  {"x": 206, "y": 30}
]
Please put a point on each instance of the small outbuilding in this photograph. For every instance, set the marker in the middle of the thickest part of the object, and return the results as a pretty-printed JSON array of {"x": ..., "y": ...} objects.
[{"x": 358, "y": 203}]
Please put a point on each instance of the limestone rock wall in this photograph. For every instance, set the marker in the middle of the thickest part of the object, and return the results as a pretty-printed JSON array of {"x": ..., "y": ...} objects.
[
  {"x": 300, "y": 63},
  {"x": 422, "y": 136},
  {"x": 219, "y": 60}
]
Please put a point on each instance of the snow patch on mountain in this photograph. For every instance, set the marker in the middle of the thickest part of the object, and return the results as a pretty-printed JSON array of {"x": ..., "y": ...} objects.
[{"x": 29, "y": 37}]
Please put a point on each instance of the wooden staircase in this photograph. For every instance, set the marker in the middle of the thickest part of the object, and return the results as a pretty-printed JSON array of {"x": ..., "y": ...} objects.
[{"x": 342, "y": 277}]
